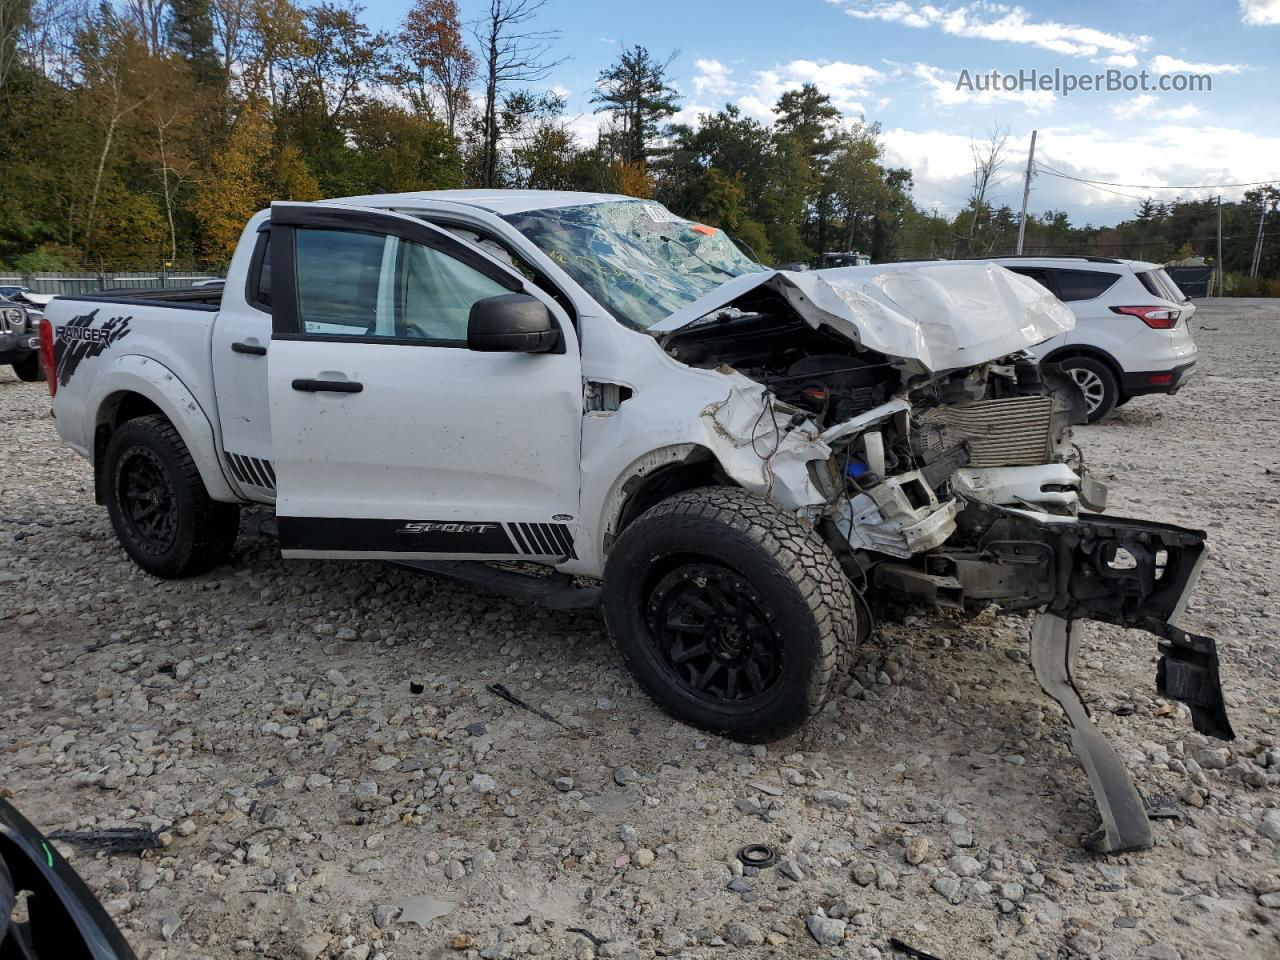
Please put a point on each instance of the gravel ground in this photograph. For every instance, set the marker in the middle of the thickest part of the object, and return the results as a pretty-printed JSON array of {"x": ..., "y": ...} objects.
[{"x": 263, "y": 717}]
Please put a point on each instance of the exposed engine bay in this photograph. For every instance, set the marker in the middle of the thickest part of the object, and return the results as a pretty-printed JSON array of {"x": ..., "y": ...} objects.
[{"x": 959, "y": 487}]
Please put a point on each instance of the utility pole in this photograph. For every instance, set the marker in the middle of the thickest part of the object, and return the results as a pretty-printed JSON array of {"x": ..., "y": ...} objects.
[
  {"x": 1257, "y": 244},
  {"x": 1026, "y": 192},
  {"x": 1221, "y": 277}
]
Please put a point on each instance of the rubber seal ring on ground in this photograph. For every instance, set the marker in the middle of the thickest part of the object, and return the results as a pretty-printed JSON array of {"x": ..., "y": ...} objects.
[{"x": 759, "y": 855}]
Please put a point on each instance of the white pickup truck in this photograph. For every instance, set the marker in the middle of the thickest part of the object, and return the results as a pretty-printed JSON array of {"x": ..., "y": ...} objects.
[{"x": 747, "y": 458}]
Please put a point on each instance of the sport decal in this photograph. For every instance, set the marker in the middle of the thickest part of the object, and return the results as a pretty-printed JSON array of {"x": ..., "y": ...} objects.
[
  {"x": 398, "y": 536},
  {"x": 78, "y": 338},
  {"x": 426, "y": 536}
]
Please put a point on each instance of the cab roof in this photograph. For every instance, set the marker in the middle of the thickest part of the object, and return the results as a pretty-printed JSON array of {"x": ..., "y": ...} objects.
[{"x": 501, "y": 202}]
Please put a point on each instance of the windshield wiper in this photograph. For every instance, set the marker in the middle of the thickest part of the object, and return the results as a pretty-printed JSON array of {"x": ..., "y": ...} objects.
[{"x": 693, "y": 253}]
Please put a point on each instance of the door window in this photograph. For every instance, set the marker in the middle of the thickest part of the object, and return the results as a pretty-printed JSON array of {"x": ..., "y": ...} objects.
[
  {"x": 353, "y": 284},
  {"x": 435, "y": 293}
]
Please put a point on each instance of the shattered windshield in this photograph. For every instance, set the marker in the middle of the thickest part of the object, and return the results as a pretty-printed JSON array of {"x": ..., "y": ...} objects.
[{"x": 636, "y": 258}]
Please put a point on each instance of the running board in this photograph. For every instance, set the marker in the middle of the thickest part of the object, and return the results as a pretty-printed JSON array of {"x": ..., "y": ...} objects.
[{"x": 555, "y": 591}]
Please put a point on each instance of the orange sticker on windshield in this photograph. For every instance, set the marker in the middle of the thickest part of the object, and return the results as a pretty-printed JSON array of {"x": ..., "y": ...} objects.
[{"x": 703, "y": 229}]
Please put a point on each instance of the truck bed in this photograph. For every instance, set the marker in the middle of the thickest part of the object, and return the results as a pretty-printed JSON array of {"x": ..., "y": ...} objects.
[{"x": 183, "y": 298}]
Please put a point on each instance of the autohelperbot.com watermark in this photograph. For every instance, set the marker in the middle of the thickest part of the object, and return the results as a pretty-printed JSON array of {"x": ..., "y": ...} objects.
[{"x": 1064, "y": 83}]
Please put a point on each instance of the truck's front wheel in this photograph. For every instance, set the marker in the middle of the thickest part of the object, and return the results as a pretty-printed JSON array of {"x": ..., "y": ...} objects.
[
  {"x": 729, "y": 611},
  {"x": 160, "y": 510}
]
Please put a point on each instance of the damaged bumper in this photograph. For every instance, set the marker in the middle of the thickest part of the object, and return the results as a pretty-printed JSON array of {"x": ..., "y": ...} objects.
[{"x": 1132, "y": 573}]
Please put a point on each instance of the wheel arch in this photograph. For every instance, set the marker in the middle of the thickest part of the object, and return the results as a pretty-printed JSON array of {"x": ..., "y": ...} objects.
[
  {"x": 1086, "y": 350},
  {"x": 139, "y": 386},
  {"x": 653, "y": 477}
]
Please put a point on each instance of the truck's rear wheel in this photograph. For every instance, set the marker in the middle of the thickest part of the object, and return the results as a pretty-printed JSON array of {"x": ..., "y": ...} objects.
[
  {"x": 160, "y": 510},
  {"x": 28, "y": 368},
  {"x": 729, "y": 611}
]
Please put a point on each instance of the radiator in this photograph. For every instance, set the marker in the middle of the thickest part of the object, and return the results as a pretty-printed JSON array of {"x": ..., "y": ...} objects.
[{"x": 1013, "y": 432}]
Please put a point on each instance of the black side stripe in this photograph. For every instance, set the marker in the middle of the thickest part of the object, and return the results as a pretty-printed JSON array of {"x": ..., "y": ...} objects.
[
  {"x": 246, "y": 464},
  {"x": 252, "y": 470},
  {"x": 535, "y": 531},
  {"x": 543, "y": 539},
  {"x": 519, "y": 540}
]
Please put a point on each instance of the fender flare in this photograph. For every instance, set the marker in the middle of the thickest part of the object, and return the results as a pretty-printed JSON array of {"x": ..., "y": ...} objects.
[
  {"x": 638, "y": 470},
  {"x": 134, "y": 373}
]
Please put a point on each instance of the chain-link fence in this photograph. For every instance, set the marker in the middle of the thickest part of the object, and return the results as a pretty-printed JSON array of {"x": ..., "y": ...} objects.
[{"x": 85, "y": 281}]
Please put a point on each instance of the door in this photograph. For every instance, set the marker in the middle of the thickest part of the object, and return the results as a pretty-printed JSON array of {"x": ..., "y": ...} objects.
[
  {"x": 390, "y": 437},
  {"x": 240, "y": 338}
]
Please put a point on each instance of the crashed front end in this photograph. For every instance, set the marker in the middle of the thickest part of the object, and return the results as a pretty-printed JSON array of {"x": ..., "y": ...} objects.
[{"x": 894, "y": 408}]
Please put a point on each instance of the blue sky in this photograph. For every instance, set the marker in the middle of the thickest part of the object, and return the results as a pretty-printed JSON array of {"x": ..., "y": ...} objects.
[{"x": 898, "y": 61}]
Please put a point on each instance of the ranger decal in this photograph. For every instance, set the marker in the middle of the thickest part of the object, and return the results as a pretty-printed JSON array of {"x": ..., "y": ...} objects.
[{"x": 78, "y": 339}]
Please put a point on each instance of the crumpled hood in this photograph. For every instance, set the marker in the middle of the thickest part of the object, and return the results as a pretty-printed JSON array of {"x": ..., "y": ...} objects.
[{"x": 943, "y": 314}]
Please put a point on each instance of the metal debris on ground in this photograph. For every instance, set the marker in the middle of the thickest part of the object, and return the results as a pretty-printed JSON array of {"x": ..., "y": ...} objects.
[
  {"x": 169, "y": 924},
  {"x": 759, "y": 855},
  {"x": 499, "y": 690},
  {"x": 911, "y": 951},
  {"x": 596, "y": 941},
  {"x": 1161, "y": 807},
  {"x": 113, "y": 840}
]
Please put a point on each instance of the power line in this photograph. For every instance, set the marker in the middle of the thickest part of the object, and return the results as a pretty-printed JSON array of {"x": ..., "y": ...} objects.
[{"x": 1151, "y": 186}]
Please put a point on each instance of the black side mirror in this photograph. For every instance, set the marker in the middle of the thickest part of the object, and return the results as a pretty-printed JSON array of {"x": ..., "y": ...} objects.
[{"x": 512, "y": 322}]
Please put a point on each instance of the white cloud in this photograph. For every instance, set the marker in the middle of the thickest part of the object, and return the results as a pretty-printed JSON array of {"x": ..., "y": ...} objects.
[
  {"x": 1000, "y": 24},
  {"x": 1133, "y": 107},
  {"x": 1260, "y": 13},
  {"x": 712, "y": 78},
  {"x": 943, "y": 87},
  {"x": 847, "y": 84},
  {"x": 1126, "y": 60},
  {"x": 941, "y": 165},
  {"x": 1185, "y": 112},
  {"x": 1166, "y": 64}
]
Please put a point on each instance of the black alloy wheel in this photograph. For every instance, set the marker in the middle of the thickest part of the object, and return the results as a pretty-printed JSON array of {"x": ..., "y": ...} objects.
[
  {"x": 148, "y": 500},
  {"x": 712, "y": 633}
]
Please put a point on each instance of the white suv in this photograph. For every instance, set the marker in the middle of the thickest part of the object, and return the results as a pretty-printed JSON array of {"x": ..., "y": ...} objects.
[{"x": 1133, "y": 327}]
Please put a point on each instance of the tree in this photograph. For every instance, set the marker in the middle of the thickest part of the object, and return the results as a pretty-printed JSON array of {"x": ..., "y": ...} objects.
[
  {"x": 511, "y": 52},
  {"x": 438, "y": 64},
  {"x": 338, "y": 59},
  {"x": 110, "y": 52},
  {"x": 807, "y": 120},
  {"x": 15, "y": 16},
  {"x": 150, "y": 18},
  {"x": 168, "y": 146},
  {"x": 277, "y": 35},
  {"x": 246, "y": 175},
  {"x": 401, "y": 150},
  {"x": 988, "y": 159},
  {"x": 191, "y": 37},
  {"x": 635, "y": 92},
  {"x": 230, "y": 26}
]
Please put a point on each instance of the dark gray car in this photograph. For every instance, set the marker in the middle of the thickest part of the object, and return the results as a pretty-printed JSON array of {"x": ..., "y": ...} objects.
[{"x": 20, "y": 339}]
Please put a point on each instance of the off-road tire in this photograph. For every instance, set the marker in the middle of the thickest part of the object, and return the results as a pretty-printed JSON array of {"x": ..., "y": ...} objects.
[
  {"x": 1101, "y": 375},
  {"x": 794, "y": 580},
  {"x": 203, "y": 529},
  {"x": 28, "y": 368}
]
